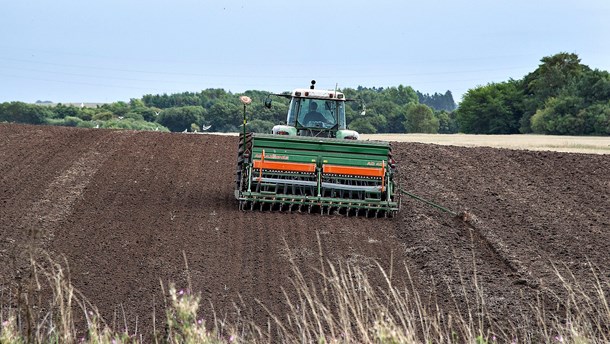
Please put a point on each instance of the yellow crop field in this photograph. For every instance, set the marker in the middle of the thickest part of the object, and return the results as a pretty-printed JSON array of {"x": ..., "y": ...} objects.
[{"x": 573, "y": 144}]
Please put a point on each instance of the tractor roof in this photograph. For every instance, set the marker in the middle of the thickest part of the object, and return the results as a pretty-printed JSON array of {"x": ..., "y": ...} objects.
[{"x": 320, "y": 94}]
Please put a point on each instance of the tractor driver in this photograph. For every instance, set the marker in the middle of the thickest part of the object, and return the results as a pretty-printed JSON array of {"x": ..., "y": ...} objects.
[{"x": 313, "y": 115}]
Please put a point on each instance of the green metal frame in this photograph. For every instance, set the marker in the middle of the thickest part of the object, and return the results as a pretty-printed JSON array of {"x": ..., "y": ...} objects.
[{"x": 321, "y": 151}]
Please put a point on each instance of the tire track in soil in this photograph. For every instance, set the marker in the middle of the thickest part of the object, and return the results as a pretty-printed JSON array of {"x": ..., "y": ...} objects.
[
  {"x": 562, "y": 204},
  {"x": 482, "y": 276},
  {"x": 513, "y": 193},
  {"x": 29, "y": 162},
  {"x": 563, "y": 216},
  {"x": 460, "y": 267},
  {"x": 36, "y": 226}
]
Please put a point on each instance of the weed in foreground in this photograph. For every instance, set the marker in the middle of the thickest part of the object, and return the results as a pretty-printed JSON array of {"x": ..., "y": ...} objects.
[{"x": 340, "y": 306}]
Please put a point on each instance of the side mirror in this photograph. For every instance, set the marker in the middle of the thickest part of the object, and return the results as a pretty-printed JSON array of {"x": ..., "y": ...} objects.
[
  {"x": 268, "y": 103},
  {"x": 363, "y": 112}
]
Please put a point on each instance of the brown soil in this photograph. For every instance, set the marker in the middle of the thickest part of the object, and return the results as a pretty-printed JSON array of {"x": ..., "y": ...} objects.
[{"x": 126, "y": 207}]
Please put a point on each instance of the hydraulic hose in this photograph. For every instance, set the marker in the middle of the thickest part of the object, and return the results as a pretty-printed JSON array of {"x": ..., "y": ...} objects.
[{"x": 440, "y": 207}]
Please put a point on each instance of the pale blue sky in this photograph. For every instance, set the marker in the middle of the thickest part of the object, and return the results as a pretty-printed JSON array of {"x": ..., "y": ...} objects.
[{"x": 104, "y": 51}]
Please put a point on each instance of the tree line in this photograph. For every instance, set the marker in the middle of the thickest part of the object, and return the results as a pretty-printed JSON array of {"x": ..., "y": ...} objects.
[
  {"x": 562, "y": 96},
  {"x": 389, "y": 110}
]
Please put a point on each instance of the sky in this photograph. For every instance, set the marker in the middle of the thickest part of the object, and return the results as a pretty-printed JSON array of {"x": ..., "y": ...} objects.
[{"x": 114, "y": 50}]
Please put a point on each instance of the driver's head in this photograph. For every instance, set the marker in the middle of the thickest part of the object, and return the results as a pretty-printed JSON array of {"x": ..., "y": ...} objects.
[{"x": 313, "y": 106}]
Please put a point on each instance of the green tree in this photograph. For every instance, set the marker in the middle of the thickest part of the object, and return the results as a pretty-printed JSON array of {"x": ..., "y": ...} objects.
[
  {"x": 20, "y": 112},
  {"x": 276, "y": 114},
  {"x": 224, "y": 116},
  {"x": 379, "y": 121},
  {"x": 396, "y": 119},
  {"x": 447, "y": 124},
  {"x": 386, "y": 116},
  {"x": 136, "y": 103},
  {"x": 560, "y": 116},
  {"x": 420, "y": 119},
  {"x": 259, "y": 126},
  {"x": 102, "y": 115},
  {"x": 597, "y": 118},
  {"x": 70, "y": 121},
  {"x": 180, "y": 118},
  {"x": 400, "y": 95},
  {"x": 550, "y": 79},
  {"x": 62, "y": 111},
  {"x": 438, "y": 101},
  {"x": 591, "y": 85},
  {"x": 118, "y": 109},
  {"x": 491, "y": 109},
  {"x": 67, "y": 121},
  {"x": 148, "y": 114},
  {"x": 553, "y": 75},
  {"x": 363, "y": 126},
  {"x": 134, "y": 115}
]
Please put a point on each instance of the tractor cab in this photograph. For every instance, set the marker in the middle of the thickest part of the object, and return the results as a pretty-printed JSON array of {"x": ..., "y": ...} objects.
[
  {"x": 318, "y": 113},
  {"x": 314, "y": 163}
]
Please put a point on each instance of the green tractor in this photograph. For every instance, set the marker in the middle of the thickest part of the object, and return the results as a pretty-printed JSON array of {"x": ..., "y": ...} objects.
[{"x": 314, "y": 163}]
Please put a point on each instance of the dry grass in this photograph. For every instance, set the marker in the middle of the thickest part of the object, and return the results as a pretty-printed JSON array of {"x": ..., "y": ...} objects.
[
  {"x": 555, "y": 143},
  {"x": 340, "y": 306},
  {"x": 573, "y": 144}
]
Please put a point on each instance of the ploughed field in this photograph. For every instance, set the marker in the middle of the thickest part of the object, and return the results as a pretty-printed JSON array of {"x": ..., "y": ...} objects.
[{"x": 125, "y": 208}]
